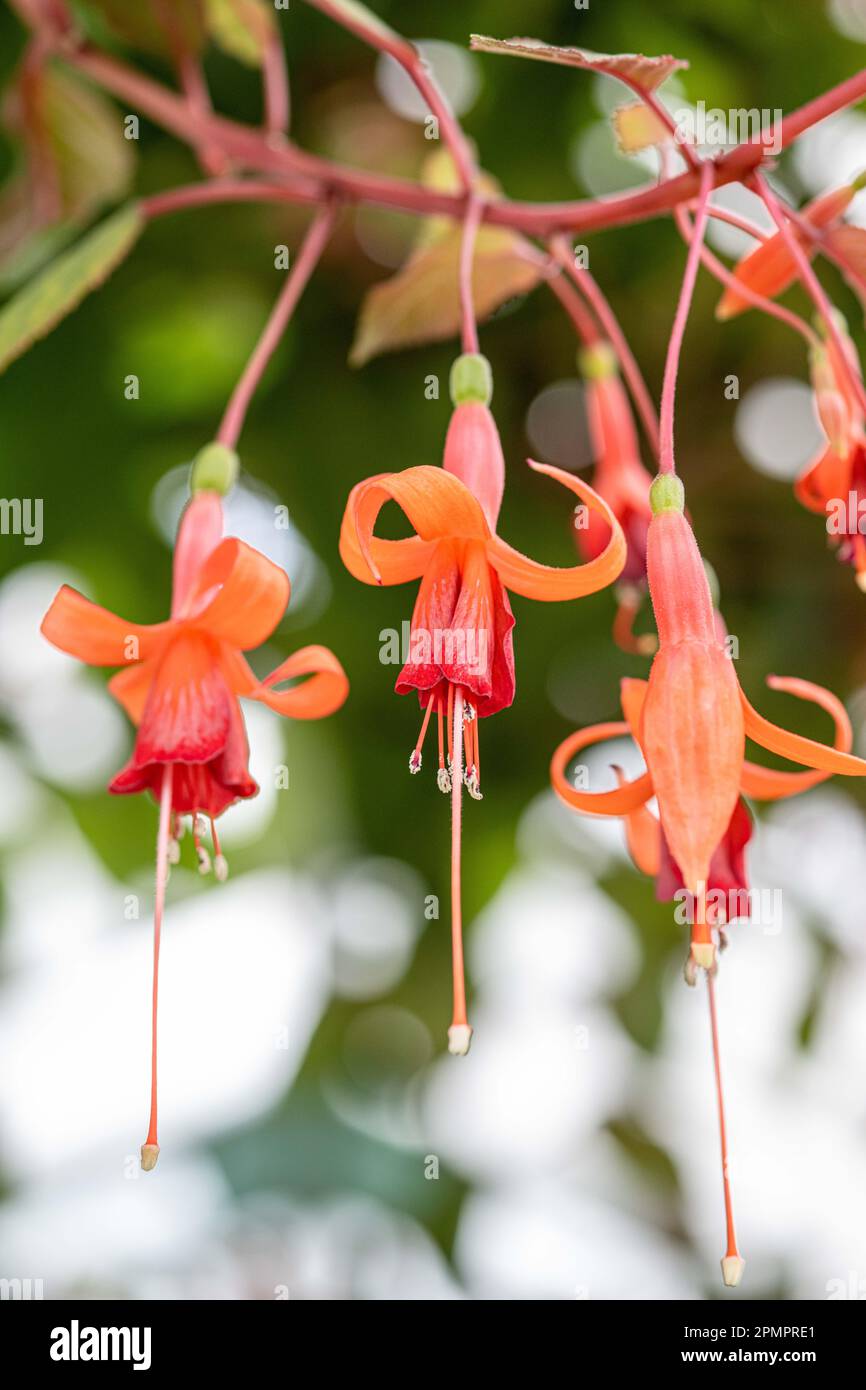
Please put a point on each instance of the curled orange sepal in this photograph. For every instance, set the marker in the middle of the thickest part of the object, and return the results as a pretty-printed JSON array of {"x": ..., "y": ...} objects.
[
  {"x": 618, "y": 802},
  {"x": 643, "y": 835},
  {"x": 769, "y": 785},
  {"x": 96, "y": 636},
  {"x": 436, "y": 503},
  {"x": 524, "y": 576},
  {"x": 800, "y": 750},
  {"x": 321, "y": 694}
]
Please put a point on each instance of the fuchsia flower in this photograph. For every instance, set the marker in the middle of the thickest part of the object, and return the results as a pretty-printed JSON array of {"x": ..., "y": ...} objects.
[
  {"x": 181, "y": 680},
  {"x": 461, "y": 659},
  {"x": 834, "y": 483}
]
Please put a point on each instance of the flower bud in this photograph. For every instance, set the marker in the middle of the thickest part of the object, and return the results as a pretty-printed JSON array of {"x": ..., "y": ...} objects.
[
  {"x": 214, "y": 469},
  {"x": 471, "y": 379}
]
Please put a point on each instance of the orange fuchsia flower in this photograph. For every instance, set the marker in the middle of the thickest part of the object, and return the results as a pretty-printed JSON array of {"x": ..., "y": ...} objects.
[
  {"x": 181, "y": 679},
  {"x": 770, "y": 269},
  {"x": 621, "y": 479},
  {"x": 691, "y": 720},
  {"x": 834, "y": 483},
  {"x": 460, "y": 658}
]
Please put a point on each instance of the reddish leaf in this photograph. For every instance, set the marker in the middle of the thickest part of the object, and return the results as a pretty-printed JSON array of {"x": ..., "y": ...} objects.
[{"x": 634, "y": 69}]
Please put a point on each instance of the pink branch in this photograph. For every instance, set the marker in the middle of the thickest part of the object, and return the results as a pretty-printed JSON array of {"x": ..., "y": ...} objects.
[
  {"x": 308, "y": 257},
  {"x": 672, "y": 362}
]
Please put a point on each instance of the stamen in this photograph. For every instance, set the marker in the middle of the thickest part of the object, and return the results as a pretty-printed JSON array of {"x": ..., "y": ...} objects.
[
  {"x": 732, "y": 1264},
  {"x": 415, "y": 759},
  {"x": 472, "y": 775},
  {"x": 150, "y": 1147},
  {"x": 450, "y": 725},
  {"x": 220, "y": 863},
  {"x": 203, "y": 856},
  {"x": 459, "y": 1034},
  {"x": 173, "y": 852},
  {"x": 443, "y": 776}
]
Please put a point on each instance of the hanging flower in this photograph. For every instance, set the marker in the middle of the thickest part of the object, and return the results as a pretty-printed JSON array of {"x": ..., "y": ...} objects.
[
  {"x": 770, "y": 269},
  {"x": 690, "y": 721},
  {"x": 621, "y": 479},
  {"x": 460, "y": 658},
  {"x": 181, "y": 679},
  {"x": 834, "y": 483}
]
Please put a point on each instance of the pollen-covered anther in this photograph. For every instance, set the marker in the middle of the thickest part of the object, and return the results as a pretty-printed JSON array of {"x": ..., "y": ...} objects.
[
  {"x": 149, "y": 1155},
  {"x": 415, "y": 761},
  {"x": 690, "y": 971},
  {"x": 443, "y": 780},
  {"x": 468, "y": 713},
  {"x": 221, "y": 867},
  {"x": 470, "y": 777},
  {"x": 459, "y": 1038},
  {"x": 204, "y": 865},
  {"x": 173, "y": 852}
]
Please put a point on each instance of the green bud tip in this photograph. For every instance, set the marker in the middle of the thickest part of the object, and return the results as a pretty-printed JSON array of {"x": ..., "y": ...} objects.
[
  {"x": 667, "y": 494},
  {"x": 214, "y": 469},
  {"x": 859, "y": 182},
  {"x": 471, "y": 379},
  {"x": 597, "y": 362}
]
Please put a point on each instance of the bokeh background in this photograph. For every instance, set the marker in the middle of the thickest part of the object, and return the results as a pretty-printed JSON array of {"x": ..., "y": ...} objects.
[{"x": 317, "y": 1141}]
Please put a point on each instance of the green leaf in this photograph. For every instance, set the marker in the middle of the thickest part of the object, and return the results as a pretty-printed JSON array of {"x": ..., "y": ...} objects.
[
  {"x": 421, "y": 303},
  {"x": 58, "y": 289},
  {"x": 77, "y": 161},
  {"x": 241, "y": 28},
  {"x": 634, "y": 69}
]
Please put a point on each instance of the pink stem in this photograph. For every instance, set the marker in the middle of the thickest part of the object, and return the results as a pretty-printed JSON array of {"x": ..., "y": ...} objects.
[
  {"x": 734, "y": 220},
  {"x": 758, "y": 301},
  {"x": 469, "y": 328},
  {"x": 158, "y": 910},
  {"x": 381, "y": 38},
  {"x": 305, "y": 263},
  {"x": 276, "y": 84},
  {"x": 628, "y": 362},
  {"x": 192, "y": 80},
  {"x": 584, "y": 323},
  {"x": 194, "y": 195},
  {"x": 672, "y": 362},
  {"x": 811, "y": 282}
]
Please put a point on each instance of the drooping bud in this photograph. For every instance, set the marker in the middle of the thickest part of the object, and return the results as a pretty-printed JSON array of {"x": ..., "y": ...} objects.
[
  {"x": 214, "y": 469},
  {"x": 667, "y": 494}
]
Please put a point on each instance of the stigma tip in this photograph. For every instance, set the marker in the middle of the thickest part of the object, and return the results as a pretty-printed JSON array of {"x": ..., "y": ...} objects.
[
  {"x": 459, "y": 1038},
  {"x": 703, "y": 954},
  {"x": 732, "y": 1270},
  {"x": 149, "y": 1155}
]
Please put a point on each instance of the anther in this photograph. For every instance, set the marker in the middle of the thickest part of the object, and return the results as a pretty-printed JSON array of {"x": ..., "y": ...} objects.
[
  {"x": 415, "y": 761},
  {"x": 221, "y": 867}
]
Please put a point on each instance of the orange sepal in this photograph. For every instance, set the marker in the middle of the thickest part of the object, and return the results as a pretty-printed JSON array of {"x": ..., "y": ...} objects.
[
  {"x": 321, "y": 694},
  {"x": 239, "y": 595},
  {"x": 627, "y": 797},
  {"x": 437, "y": 504},
  {"x": 546, "y": 582},
  {"x": 800, "y": 750},
  {"x": 766, "y": 784},
  {"x": 95, "y": 635}
]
